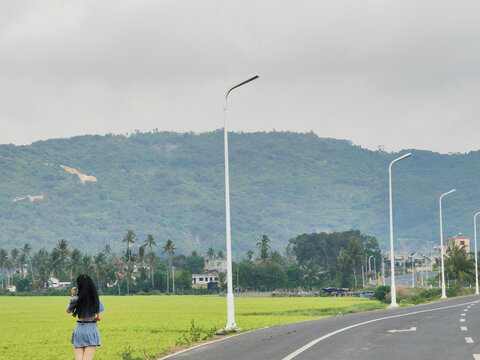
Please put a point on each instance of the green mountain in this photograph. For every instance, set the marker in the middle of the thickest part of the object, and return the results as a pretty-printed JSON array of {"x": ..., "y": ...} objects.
[{"x": 172, "y": 186}]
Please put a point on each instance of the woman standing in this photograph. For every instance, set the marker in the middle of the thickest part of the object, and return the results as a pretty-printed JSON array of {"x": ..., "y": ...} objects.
[{"x": 88, "y": 308}]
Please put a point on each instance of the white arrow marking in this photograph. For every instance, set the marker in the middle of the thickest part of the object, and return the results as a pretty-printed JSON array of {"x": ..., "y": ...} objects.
[
  {"x": 476, "y": 356},
  {"x": 404, "y": 330}
]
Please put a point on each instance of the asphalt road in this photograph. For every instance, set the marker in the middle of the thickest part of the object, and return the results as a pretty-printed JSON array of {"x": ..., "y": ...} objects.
[{"x": 447, "y": 330}]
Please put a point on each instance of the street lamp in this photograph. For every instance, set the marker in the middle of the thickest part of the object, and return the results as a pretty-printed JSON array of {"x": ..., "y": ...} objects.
[
  {"x": 444, "y": 295},
  {"x": 413, "y": 272},
  {"x": 230, "y": 304},
  {"x": 392, "y": 256},
  {"x": 476, "y": 255}
]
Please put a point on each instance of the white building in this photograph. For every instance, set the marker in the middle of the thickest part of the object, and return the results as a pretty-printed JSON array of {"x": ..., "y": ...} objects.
[
  {"x": 55, "y": 283},
  {"x": 202, "y": 280},
  {"x": 219, "y": 265}
]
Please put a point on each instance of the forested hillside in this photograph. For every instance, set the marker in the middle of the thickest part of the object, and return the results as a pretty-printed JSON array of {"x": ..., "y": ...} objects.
[{"x": 91, "y": 189}]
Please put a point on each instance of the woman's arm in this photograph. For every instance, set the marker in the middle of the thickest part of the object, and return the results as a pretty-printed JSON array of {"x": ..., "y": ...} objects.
[{"x": 99, "y": 317}]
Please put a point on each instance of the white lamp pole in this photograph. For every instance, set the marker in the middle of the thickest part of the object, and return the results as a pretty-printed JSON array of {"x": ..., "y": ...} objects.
[
  {"x": 370, "y": 263},
  {"x": 230, "y": 304},
  {"x": 444, "y": 294},
  {"x": 392, "y": 256},
  {"x": 413, "y": 272},
  {"x": 476, "y": 254}
]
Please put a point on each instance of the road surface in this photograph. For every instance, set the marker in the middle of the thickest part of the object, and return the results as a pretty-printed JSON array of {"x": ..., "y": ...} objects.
[{"x": 447, "y": 330}]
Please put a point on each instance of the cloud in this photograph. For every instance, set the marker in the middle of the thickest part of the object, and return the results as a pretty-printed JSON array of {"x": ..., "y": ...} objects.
[{"x": 399, "y": 74}]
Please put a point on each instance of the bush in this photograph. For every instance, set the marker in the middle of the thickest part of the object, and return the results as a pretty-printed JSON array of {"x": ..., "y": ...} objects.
[
  {"x": 401, "y": 292},
  {"x": 381, "y": 292}
]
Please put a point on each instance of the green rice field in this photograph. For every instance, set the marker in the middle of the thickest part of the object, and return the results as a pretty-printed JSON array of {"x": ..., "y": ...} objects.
[{"x": 141, "y": 327}]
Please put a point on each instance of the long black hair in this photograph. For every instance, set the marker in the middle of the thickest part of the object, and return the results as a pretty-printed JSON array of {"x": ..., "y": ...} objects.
[{"x": 87, "y": 302}]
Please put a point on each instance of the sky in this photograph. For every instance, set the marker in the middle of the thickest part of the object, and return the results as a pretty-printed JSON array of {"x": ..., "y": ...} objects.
[{"x": 397, "y": 74}]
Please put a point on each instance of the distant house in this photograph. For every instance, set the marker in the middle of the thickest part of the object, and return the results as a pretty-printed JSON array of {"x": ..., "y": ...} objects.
[
  {"x": 55, "y": 283},
  {"x": 11, "y": 288},
  {"x": 219, "y": 265},
  {"x": 457, "y": 240},
  {"x": 202, "y": 280}
]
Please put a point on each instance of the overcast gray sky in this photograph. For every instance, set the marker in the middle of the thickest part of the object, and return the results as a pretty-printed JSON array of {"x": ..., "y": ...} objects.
[{"x": 403, "y": 74}]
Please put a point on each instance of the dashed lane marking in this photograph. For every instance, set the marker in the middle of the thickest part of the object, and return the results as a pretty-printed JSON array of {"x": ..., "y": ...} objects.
[
  {"x": 463, "y": 328},
  {"x": 462, "y": 320},
  {"x": 469, "y": 340},
  {"x": 333, "y": 333},
  {"x": 464, "y": 314},
  {"x": 476, "y": 356}
]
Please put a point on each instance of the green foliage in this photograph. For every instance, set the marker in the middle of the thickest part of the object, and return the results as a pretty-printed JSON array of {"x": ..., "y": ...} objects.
[
  {"x": 380, "y": 292},
  {"x": 195, "y": 334},
  {"x": 127, "y": 353},
  {"x": 171, "y": 185}
]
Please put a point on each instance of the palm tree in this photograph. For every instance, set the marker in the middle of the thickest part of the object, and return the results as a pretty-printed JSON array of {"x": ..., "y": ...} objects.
[
  {"x": 250, "y": 254},
  {"x": 150, "y": 242},
  {"x": 312, "y": 273},
  {"x": 352, "y": 257},
  {"x": 211, "y": 252},
  {"x": 152, "y": 259},
  {"x": 129, "y": 238},
  {"x": 3, "y": 261},
  {"x": 62, "y": 247},
  {"x": 129, "y": 274},
  {"x": 26, "y": 251},
  {"x": 169, "y": 248},
  {"x": 263, "y": 247},
  {"x": 141, "y": 256},
  {"x": 107, "y": 249},
  {"x": 459, "y": 265},
  {"x": 56, "y": 261},
  {"x": 99, "y": 264},
  {"x": 119, "y": 265},
  {"x": 73, "y": 265},
  {"x": 14, "y": 258},
  {"x": 86, "y": 264}
]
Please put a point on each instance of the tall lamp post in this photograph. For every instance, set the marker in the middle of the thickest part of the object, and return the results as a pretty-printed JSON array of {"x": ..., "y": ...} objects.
[
  {"x": 230, "y": 304},
  {"x": 476, "y": 254},
  {"x": 444, "y": 294},
  {"x": 392, "y": 256}
]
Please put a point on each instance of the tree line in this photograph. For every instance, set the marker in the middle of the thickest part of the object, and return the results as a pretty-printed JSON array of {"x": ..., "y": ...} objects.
[{"x": 308, "y": 261}]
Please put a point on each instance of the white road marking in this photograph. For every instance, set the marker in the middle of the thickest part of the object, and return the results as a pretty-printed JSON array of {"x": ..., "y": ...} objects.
[
  {"x": 464, "y": 314},
  {"x": 316, "y": 341},
  {"x": 462, "y": 320},
  {"x": 469, "y": 340},
  {"x": 463, "y": 328},
  {"x": 476, "y": 356},
  {"x": 403, "y": 330},
  {"x": 465, "y": 310}
]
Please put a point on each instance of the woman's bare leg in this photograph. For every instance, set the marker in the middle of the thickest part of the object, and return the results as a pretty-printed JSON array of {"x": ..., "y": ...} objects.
[
  {"x": 88, "y": 354},
  {"x": 79, "y": 353}
]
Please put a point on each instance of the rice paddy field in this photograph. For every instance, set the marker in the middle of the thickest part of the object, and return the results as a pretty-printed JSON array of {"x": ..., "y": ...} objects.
[{"x": 145, "y": 327}]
